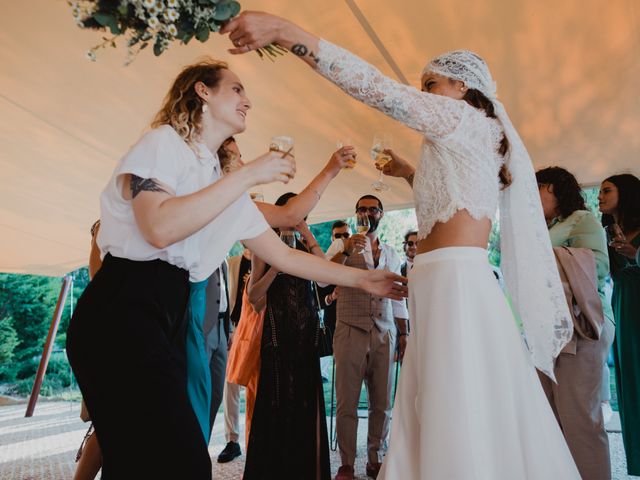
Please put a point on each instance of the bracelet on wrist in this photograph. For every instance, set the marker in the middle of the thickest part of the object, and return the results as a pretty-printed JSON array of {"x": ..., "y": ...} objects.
[
  {"x": 345, "y": 253},
  {"x": 403, "y": 334}
]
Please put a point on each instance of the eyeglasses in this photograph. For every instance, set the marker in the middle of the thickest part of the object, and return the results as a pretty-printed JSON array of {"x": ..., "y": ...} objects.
[
  {"x": 371, "y": 210},
  {"x": 344, "y": 235},
  {"x": 410, "y": 243}
]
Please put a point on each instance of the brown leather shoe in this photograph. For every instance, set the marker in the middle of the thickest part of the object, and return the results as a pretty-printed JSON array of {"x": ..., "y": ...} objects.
[
  {"x": 345, "y": 472},
  {"x": 373, "y": 469}
]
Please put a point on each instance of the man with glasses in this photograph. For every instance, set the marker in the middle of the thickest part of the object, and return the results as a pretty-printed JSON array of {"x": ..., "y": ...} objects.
[
  {"x": 364, "y": 344},
  {"x": 410, "y": 246}
]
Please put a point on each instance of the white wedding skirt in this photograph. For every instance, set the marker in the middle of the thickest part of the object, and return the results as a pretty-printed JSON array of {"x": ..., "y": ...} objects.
[{"x": 469, "y": 404}]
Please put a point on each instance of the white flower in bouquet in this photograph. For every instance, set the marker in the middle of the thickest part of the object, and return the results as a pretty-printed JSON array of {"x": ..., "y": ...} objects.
[
  {"x": 172, "y": 30},
  {"x": 171, "y": 14}
]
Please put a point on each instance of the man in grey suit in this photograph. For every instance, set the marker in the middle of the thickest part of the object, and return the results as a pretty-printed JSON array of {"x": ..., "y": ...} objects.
[
  {"x": 216, "y": 335},
  {"x": 369, "y": 330}
]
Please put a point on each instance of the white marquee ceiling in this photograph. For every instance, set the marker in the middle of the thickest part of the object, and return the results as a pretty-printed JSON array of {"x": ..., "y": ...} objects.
[{"x": 567, "y": 72}]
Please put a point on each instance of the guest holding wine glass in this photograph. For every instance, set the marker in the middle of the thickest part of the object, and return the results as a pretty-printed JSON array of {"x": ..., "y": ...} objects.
[
  {"x": 619, "y": 202},
  {"x": 288, "y": 437}
]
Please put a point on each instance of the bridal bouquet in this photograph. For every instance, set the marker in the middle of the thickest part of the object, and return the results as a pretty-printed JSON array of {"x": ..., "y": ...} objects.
[{"x": 156, "y": 22}]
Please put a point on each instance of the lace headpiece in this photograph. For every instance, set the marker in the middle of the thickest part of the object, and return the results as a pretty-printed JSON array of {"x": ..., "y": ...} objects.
[
  {"x": 527, "y": 260},
  {"x": 467, "y": 67}
]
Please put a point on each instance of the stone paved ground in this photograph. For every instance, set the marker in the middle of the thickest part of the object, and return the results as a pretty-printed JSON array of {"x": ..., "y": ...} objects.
[{"x": 43, "y": 447}]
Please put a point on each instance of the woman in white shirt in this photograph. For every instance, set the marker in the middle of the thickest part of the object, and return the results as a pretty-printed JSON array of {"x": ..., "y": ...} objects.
[
  {"x": 169, "y": 216},
  {"x": 449, "y": 422}
]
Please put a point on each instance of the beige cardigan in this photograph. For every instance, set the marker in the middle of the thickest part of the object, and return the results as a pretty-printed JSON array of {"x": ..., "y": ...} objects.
[{"x": 577, "y": 269}]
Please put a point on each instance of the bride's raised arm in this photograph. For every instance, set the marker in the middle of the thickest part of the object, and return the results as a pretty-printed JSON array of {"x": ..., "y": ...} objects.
[{"x": 435, "y": 116}]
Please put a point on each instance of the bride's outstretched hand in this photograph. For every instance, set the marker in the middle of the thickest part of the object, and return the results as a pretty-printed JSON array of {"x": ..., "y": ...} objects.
[
  {"x": 397, "y": 167},
  {"x": 384, "y": 284},
  {"x": 252, "y": 30}
]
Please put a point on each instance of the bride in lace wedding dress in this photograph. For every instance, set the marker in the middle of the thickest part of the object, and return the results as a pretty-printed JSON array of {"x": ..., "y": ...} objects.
[{"x": 469, "y": 403}]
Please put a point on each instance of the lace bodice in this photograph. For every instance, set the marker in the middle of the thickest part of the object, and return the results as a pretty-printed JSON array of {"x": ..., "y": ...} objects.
[{"x": 459, "y": 164}]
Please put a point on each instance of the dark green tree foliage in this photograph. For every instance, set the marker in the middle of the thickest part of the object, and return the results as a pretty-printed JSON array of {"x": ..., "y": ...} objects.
[{"x": 27, "y": 303}]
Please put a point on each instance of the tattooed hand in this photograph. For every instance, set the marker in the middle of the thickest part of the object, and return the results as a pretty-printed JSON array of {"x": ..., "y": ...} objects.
[{"x": 252, "y": 30}]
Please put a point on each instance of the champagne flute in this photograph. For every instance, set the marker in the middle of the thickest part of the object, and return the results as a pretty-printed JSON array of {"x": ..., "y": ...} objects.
[
  {"x": 347, "y": 143},
  {"x": 288, "y": 236},
  {"x": 284, "y": 145},
  {"x": 381, "y": 141},
  {"x": 615, "y": 234},
  {"x": 362, "y": 225}
]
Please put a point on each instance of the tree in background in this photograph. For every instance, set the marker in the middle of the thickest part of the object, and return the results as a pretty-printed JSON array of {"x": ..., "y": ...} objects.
[{"x": 27, "y": 303}]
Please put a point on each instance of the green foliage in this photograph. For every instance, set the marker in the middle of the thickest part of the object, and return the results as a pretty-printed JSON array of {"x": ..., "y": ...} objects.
[
  {"x": 8, "y": 343},
  {"x": 591, "y": 199},
  {"x": 322, "y": 232},
  {"x": 27, "y": 303}
]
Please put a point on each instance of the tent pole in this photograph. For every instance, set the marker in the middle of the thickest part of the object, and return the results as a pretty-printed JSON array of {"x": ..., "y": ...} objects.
[{"x": 48, "y": 346}]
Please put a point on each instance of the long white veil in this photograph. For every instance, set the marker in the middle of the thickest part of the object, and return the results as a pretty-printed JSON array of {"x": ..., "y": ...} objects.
[{"x": 527, "y": 260}]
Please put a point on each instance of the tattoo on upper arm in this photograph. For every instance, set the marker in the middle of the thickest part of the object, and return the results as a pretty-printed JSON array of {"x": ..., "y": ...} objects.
[
  {"x": 147, "y": 184},
  {"x": 302, "y": 50}
]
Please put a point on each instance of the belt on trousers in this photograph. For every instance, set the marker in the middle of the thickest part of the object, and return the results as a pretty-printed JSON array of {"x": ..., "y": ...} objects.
[{"x": 222, "y": 315}]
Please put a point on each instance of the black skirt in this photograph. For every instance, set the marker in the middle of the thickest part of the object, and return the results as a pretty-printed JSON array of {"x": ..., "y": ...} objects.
[{"x": 126, "y": 347}]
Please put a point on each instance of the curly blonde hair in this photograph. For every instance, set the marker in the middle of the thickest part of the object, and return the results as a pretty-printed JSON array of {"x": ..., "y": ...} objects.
[{"x": 182, "y": 106}]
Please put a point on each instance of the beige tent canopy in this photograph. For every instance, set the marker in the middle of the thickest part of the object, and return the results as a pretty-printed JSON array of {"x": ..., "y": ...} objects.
[{"x": 567, "y": 71}]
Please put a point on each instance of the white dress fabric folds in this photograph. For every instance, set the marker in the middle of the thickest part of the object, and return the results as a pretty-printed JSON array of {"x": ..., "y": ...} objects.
[{"x": 469, "y": 404}]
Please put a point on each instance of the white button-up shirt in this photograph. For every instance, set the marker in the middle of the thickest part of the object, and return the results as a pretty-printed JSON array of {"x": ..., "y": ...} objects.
[{"x": 163, "y": 155}]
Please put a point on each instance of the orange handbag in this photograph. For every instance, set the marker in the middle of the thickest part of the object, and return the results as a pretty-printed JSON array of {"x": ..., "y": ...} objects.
[{"x": 243, "y": 363}]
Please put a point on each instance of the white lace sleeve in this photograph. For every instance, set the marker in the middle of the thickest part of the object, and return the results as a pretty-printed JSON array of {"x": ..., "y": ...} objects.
[{"x": 435, "y": 116}]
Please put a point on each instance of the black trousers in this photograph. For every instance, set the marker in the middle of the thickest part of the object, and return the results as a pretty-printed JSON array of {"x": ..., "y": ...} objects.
[{"x": 126, "y": 347}]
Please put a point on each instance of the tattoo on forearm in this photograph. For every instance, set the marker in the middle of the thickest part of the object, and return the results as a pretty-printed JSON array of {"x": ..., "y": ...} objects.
[
  {"x": 299, "y": 50},
  {"x": 302, "y": 51},
  {"x": 147, "y": 184}
]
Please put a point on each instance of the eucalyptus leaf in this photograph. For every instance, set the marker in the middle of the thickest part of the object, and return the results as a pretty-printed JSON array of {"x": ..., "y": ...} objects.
[
  {"x": 202, "y": 33},
  {"x": 104, "y": 19},
  {"x": 222, "y": 12},
  {"x": 235, "y": 8}
]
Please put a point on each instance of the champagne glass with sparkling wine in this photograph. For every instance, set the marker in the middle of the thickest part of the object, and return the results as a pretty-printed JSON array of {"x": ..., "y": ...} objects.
[
  {"x": 362, "y": 225},
  {"x": 283, "y": 145},
  {"x": 381, "y": 141}
]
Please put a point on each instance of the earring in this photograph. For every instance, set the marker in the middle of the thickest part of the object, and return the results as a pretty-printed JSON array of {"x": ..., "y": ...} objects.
[
  {"x": 205, "y": 108},
  {"x": 462, "y": 89}
]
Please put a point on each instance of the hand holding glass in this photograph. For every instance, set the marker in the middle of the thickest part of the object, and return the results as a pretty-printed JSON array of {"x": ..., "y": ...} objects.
[
  {"x": 362, "y": 225},
  {"x": 381, "y": 141},
  {"x": 351, "y": 163},
  {"x": 283, "y": 145},
  {"x": 614, "y": 234}
]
